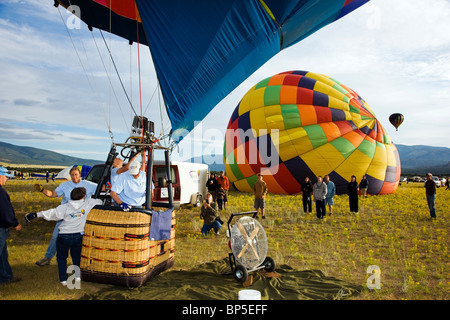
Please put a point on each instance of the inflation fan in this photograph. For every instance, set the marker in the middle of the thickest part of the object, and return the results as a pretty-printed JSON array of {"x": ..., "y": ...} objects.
[{"x": 248, "y": 243}]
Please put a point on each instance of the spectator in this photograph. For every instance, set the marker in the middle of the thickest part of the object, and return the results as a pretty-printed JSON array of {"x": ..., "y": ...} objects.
[
  {"x": 353, "y": 194},
  {"x": 209, "y": 216},
  {"x": 320, "y": 192},
  {"x": 212, "y": 185},
  {"x": 307, "y": 188},
  {"x": 331, "y": 191},
  {"x": 430, "y": 190},
  {"x": 260, "y": 190},
  {"x": 225, "y": 184},
  {"x": 63, "y": 190},
  {"x": 363, "y": 186},
  {"x": 7, "y": 220},
  {"x": 220, "y": 194}
]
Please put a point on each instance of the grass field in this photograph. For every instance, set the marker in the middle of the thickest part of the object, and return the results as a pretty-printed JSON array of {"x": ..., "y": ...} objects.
[{"x": 393, "y": 232}]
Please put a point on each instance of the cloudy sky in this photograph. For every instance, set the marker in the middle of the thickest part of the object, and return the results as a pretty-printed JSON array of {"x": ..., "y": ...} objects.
[{"x": 394, "y": 54}]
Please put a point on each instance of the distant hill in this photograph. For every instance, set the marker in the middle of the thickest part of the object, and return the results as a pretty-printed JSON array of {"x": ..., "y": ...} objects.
[
  {"x": 421, "y": 159},
  {"x": 13, "y": 154},
  {"x": 416, "y": 159}
]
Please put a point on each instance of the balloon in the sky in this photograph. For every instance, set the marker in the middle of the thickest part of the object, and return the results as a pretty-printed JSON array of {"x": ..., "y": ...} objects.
[
  {"x": 301, "y": 124},
  {"x": 202, "y": 50},
  {"x": 396, "y": 119}
]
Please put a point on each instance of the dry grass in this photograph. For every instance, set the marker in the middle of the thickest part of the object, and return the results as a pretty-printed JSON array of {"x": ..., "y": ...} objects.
[{"x": 392, "y": 232}]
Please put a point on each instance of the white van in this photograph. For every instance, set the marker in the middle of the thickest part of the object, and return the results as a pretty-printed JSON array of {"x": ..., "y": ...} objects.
[{"x": 188, "y": 182}]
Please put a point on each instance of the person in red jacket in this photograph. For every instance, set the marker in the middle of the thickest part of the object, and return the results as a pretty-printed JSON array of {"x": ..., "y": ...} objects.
[
  {"x": 7, "y": 220},
  {"x": 224, "y": 183}
]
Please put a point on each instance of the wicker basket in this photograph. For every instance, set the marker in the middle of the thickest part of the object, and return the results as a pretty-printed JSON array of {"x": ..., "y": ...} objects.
[{"x": 117, "y": 249}]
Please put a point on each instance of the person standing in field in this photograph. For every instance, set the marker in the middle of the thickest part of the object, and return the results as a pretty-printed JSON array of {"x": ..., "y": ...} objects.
[
  {"x": 363, "y": 186},
  {"x": 331, "y": 192},
  {"x": 430, "y": 190},
  {"x": 307, "y": 188},
  {"x": 7, "y": 220},
  {"x": 320, "y": 193},
  {"x": 260, "y": 190},
  {"x": 212, "y": 185},
  {"x": 353, "y": 194},
  {"x": 63, "y": 190},
  {"x": 224, "y": 183}
]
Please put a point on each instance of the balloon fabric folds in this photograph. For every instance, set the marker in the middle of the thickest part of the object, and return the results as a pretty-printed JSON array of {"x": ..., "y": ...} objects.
[
  {"x": 203, "y": 49},
  {"x": 301, "y": 124}
]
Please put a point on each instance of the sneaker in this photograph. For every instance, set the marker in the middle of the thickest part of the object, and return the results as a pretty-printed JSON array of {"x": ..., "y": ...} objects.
[
  {"x": 263, "y": 217},
  {"x": 64, "y": 283},
  {"x": 43, "y": 262}
]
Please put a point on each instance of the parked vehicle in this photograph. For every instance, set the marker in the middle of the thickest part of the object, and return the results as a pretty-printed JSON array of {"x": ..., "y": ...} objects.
[
  {"x": 436, "y": 181},
  {"x": 188, "y": 182}
]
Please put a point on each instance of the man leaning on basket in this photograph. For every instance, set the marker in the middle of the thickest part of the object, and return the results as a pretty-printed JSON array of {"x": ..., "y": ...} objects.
[
  {"x": 129, "y": 190},
  {"x": 70, "y": 237}
]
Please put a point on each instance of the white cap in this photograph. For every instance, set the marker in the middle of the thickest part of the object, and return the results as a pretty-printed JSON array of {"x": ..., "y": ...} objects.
[{"x": 135, "y": 167}]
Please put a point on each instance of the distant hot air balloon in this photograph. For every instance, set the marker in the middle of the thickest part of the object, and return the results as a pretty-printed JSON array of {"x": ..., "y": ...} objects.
[
  {"x": 301, "y": 124},
  {"x": 396, "y": 120}
]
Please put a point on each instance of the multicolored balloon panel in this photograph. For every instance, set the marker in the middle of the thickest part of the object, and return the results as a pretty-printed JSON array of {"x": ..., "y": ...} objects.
[{"x": 300, "y": 124}]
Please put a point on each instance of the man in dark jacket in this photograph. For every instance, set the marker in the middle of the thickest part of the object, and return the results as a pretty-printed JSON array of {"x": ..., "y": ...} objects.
[
  {"x": 212, "y": 184},
  {"x": 430, "y": 189},
  {"x": 307, "y": 188},
  {"x": 7, "y": 220}
]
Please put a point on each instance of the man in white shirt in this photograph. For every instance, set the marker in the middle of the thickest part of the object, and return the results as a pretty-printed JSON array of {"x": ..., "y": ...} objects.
[{"x": 129, "y": 188}]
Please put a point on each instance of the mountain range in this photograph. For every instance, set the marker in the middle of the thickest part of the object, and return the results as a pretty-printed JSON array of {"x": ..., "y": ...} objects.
[
  {"x": 13, "y": 154},
  {"x": 417, "y": 159}
]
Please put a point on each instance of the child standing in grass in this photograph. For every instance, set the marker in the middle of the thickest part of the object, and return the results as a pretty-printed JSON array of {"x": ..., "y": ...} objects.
[{"x": 73, "y": 215}]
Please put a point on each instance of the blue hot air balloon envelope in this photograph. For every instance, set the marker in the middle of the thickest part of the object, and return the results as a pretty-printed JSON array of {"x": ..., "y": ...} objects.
[{"x": 203, "y": 49}]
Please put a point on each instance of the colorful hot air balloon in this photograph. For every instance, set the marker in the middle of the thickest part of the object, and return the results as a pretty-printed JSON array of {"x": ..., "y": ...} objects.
[
  {"x": 396, "y": 119},
  {"x": 298, "y": 124}
]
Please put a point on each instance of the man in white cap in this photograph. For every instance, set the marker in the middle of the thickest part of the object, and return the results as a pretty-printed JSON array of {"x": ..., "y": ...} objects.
[
  {"x": 7, "y": 220},
  {"x": 129, "y": 189}
]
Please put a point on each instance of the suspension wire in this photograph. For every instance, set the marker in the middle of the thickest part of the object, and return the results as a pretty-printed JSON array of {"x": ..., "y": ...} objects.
[
  {"x": 118, "y": 75},
  {"x": 110, "y": 83},
  {"x": 86, "y": 73}
]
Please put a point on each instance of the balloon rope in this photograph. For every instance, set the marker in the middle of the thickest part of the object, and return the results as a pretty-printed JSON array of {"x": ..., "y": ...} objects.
[{"x": 140, "y": 91}]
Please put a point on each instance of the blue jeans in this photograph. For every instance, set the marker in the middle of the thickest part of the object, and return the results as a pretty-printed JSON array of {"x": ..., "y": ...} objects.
[
  {"x": 64, "y": 243},
  {"x": 51, "y": 250},
  {"x": 431, "y": 200},
  {"x": 6, "y": 274},
  {"x": 206, "y": 227}
]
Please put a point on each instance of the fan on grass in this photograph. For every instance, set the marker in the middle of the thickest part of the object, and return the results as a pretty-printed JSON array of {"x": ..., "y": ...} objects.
[{"x": 249, "y": 247}]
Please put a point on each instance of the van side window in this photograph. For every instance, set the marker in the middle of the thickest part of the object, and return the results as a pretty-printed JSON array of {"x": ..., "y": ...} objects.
[{"x": 161, "y": 173}]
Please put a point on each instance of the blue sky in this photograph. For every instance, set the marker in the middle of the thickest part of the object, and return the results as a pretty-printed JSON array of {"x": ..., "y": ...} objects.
[{"x": 394, "y": 54}]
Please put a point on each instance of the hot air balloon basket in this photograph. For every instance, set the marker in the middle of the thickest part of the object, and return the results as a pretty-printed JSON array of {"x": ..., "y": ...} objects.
[{"x": 117, "y": 248}]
